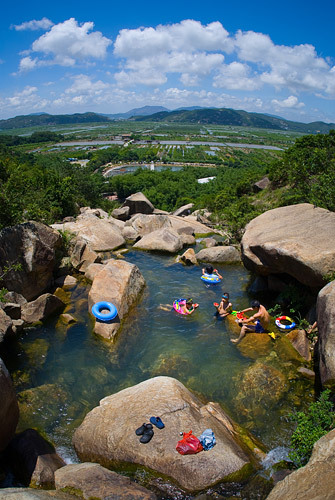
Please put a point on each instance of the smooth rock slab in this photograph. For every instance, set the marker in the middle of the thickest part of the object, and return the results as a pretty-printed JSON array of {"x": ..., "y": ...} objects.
[
  {"x": 221, "y": 254},
  {"x": 298, "y": 240},
  {"x": 326, "y": 326},
  {"x": 101, "y": 234},
  {"x": 164, "y": 240},
  {"x": 94, "y": 481},
  {"x": 315, "y": 481},
  {"x": 107, "y": 434}
]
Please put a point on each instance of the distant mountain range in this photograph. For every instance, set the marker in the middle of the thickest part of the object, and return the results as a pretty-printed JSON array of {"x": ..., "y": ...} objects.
[
  {"x": 239, "y": 118},
  {"x": 194, "y": 115}
]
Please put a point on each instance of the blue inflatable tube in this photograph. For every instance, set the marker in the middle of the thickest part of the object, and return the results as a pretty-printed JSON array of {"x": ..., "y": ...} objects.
[
  {"x": 106, "y": 315},
  {"x": 210, "y": 278}
]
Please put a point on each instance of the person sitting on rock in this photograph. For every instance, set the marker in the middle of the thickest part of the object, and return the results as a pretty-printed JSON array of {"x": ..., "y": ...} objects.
[
  {"x": 225, "y": 307},
  {"x": 260, "y": 321},
  {"x": 210, "y": 271}
]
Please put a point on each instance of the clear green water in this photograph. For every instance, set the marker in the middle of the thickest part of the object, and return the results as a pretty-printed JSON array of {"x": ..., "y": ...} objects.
[{"x": 61, "y": 374}]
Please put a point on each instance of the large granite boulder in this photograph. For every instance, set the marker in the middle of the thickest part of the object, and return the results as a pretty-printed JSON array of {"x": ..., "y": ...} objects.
[
  {"x": 101, "y": 234},
  {"x": 163, "y": 240},
  {"x": 107, "y": 434},
  {"x": 298, "y": 240},
  {"x": 94, "y": 481},
  {"x": 82, "y": 255},
  {"x": 120, "y": 283},
  {"x": 315, "y": 481},
  {"x": 184, "y": 210},
  {"x": 34, "y": 459},
  {"x": 138, "y": 204},
  {"x": 221, "y": 254},
  {"x": 189, "y": 222},
  {"x": 326, "y": 327},
  {"x": 9, "y": 410},
  {"x": 145, "y": 224},
  {"x": 32, "y": 245},
  {"x": 38, "y": 310}
]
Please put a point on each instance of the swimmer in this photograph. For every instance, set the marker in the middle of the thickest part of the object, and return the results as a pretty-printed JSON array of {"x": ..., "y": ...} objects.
[
  {"x": 209, "y": 270},
  {"x": 225, "y": 307}
]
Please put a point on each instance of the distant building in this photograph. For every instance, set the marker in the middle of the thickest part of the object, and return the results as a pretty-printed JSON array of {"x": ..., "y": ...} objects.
[{"x": 205, "y": 179}]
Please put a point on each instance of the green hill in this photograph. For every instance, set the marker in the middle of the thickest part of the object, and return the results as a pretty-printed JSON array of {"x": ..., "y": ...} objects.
[
  {"x": 237, "y": 118},
  {"x": 45, "y": 119}
]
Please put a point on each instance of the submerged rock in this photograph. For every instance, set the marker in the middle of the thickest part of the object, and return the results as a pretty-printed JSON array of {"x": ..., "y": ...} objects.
[
  {"x": 259, "y": 388},
  {"x": 107, "y": 434},
  {"x": 41, "y": 405}
]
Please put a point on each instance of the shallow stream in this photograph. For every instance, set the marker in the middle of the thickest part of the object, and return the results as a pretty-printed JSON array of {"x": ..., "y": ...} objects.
[{"x": 62, "y": 372}]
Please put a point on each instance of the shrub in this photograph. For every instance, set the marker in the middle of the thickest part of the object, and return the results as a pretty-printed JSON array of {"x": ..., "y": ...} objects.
[{"x": 312, "y": 425}]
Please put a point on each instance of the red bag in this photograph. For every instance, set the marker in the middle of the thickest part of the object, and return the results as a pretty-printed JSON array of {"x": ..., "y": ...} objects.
[{"x": 189, "y": 445}]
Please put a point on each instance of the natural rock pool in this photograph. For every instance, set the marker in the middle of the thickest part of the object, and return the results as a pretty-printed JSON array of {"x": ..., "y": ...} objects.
[{"x": 61, "y": 372}]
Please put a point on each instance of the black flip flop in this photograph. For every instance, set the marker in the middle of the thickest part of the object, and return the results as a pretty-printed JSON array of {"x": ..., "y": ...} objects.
[{"x": 147, "y": 435}]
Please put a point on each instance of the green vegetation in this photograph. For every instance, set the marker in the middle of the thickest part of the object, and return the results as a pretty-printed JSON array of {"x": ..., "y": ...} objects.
[
  {"x": 239, "y": 118},
  {"x": 308, "y": 171},
  {"x": 44, "y": 188},
  {"x": 311, "y": 426},
  {"x": 43, "y": 185}
]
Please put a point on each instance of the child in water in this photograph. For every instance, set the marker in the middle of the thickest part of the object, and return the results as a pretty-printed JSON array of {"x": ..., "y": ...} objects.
[
  {"x": 188, "y": 307},
  {"x": 225, "y": 307},
  {"x": 209, "y": 270}
]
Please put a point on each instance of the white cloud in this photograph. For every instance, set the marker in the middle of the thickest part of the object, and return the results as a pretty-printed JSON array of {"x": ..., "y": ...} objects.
[
  {"x": 27, "y": 64},
  {"x": 297, "y": 68},
  {"x": 68, "y": 43},
  {"x": 236, "y": 76},
  {"x": 149, "y": 77},
  {"x": 291, "y": 102},
  {"x": 25, "y": 101},
  {"x": 187, "y": 36},
  {"x": 84, "y": 85},
  {"x": 42, "y": 24},
  {"x": 188, "y": 48}
]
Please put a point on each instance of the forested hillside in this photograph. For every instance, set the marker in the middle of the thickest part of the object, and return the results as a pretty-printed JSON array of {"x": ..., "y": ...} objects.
[
  {"x": 236, "y": 118},
  {"x": 46, "y": 187}
]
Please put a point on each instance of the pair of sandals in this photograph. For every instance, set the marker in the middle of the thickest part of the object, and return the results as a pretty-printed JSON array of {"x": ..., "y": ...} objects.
[{"x": 146, "y": 430}]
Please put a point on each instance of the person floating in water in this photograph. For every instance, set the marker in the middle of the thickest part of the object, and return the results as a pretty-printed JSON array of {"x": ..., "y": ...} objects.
[
  {"x": 210, "y": 271},
  {"x": 187, "y": 306},
  {"x": 259, "y": 320},
  {"x": 225, "y": 307},
  {"x": 182, "y": 306}
]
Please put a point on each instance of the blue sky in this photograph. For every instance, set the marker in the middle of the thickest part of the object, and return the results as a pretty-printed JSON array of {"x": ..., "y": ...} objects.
[{"x": 109, "y": 57}]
